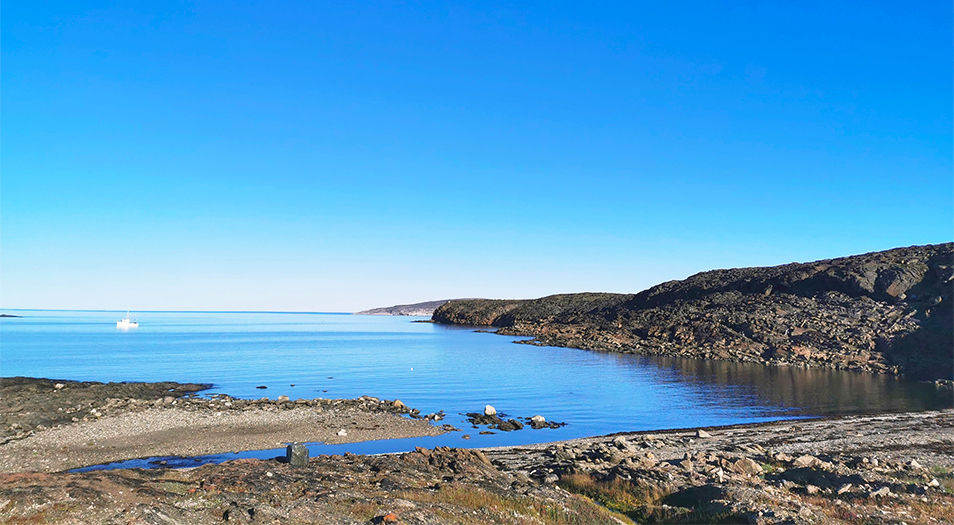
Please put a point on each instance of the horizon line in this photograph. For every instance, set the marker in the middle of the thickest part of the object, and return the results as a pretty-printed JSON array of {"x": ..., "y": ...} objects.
[{"x": 174, "y": 311}]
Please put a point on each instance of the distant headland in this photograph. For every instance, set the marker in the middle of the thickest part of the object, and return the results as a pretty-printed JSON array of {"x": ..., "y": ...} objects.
[{"x": 425, "y": 309}]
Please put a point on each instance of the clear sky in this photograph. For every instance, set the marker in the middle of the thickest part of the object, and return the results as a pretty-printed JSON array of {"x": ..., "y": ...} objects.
[{"x": 336, "y": 156}]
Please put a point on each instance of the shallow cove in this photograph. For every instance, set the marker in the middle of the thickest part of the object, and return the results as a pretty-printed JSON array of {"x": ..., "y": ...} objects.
[{"x": 434, "y": 367}]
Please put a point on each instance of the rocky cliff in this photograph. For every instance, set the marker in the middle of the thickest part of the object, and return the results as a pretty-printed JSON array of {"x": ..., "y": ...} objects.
[{"x": 887, "y": 311}]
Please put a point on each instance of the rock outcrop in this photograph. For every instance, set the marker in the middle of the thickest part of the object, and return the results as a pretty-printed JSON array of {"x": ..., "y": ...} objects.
[{"x": 887, "y": 311}]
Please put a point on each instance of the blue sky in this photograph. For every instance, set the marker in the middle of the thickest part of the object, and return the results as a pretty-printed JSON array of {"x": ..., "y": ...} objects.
[{"x": 336, "y": 156}]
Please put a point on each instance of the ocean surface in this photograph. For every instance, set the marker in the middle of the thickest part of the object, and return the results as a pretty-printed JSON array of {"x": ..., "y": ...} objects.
[{"x": 433, "y": 367}]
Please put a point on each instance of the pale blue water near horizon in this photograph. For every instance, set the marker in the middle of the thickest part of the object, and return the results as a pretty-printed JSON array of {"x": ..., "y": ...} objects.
[{"x": 433, "y": 367}]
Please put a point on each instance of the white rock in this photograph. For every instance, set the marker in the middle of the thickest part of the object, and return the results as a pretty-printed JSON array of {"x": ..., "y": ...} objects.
[
  {"x": 342, "y": 432},
  {"x": 490, "y": 411}
]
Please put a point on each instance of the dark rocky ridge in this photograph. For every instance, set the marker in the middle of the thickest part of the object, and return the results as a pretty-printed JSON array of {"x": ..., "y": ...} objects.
[{"x": 888, "y": 311}]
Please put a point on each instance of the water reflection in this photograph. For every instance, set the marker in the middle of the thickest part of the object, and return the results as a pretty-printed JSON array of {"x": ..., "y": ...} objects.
[{"x": 810, "y": 391}]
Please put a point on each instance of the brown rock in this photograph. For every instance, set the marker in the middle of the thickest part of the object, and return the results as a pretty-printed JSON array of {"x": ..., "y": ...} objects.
[
  {"x": 747, "y": 466},
  {"x": 805, "y": 461}
]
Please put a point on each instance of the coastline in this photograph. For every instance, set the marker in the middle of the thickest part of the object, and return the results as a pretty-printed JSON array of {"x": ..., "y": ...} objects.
[
  {"x": 839, "y": 469},
  {"x": 887, "y": 312}
]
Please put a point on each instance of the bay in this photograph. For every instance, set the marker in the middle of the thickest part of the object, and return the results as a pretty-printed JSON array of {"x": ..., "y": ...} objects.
[{"x": 433, "y": 367}]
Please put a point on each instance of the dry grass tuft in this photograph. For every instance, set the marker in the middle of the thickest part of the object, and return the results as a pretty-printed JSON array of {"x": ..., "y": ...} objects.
[
  {"x": 617, "y": 495},
  {"x": 643, "y": 503},
  {"x": 486, "y": 506}
]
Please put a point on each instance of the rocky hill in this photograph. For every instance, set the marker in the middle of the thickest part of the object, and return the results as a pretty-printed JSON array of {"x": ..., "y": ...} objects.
[
  {"x": 422, "y": 309},
  {"x": 887, "y": 311}
]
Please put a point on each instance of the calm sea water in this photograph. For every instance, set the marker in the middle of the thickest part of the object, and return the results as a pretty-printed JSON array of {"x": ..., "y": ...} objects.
[{"x": 433, "y": 367}]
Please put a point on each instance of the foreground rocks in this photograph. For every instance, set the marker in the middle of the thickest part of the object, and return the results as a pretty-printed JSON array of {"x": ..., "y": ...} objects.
[
  {"x": 869, "y": 469},
  {"x": 886, "y": 311},
  {"x": 865, "y": 469},
  {"x": 439, "y": 486}
]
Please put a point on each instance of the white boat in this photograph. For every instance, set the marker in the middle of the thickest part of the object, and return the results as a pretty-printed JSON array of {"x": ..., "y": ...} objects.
[{"x": 127, "y": 322}]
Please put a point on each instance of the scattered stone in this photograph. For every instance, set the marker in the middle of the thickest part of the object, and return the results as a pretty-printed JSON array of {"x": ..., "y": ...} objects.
[
  {"x": 296, "y": 454},
  {"x": 538, "y": 422},
  {"x": 702, "y": 434},
  {"x": 398, "y": 404},
  {"x": 783, "y": 457},
  {"x": 623, "y": 444},
  {"x": 342, "y": 432},
  {"x": 747, "y": 466},
  {"x": 805, "y": 461},
  {"x": 844, "y": 488},
  {"x": 59, "y": 386},
  {"x": 880, "y": 493},
  {"x": 490, "y": 411},
  {"x": 282, "y": 399},
  {"x": 812, "y": 489}
]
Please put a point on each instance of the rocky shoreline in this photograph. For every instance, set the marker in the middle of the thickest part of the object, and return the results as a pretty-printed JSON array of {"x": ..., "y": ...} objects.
[
  {"x": 883, "y": 312},
  {"x": 893, "y": 468}
]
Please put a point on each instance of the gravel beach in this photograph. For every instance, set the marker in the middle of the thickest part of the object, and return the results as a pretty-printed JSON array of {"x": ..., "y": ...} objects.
[{"x": 154, "y": 423}]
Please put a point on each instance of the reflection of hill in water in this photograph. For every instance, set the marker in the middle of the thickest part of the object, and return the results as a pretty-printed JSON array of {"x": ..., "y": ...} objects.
[{"x": 814, "y": 391}]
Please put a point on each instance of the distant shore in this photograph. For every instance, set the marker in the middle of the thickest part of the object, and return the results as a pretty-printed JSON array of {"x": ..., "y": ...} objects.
[{"x": 425, "y": 309}]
